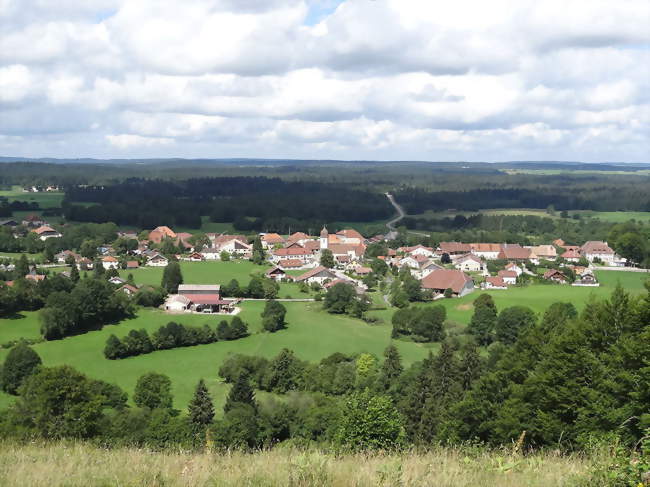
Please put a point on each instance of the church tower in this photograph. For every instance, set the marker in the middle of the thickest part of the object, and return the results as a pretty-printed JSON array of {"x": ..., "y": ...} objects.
[{"x": 323, "y": 238}]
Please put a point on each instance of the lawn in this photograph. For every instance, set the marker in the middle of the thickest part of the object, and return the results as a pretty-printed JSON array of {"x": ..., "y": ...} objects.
[
  {"x": 311, "y": 333},
  {"x": 207, "y": 272},
  {"x": 606, "y": 216}
]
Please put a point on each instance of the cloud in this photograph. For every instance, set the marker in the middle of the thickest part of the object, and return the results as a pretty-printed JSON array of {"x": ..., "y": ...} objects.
[{"x": 385, "y": 79}]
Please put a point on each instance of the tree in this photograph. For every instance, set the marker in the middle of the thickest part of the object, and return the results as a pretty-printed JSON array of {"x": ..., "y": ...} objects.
[
  {"x": 59, "y": 402},
  {"x": 21, "y": 362},
  {"x": 632, "y": 246},
  {"x": 172, "y": 277},
  {"x": 98, "y": 269},
  {"x": 238, "y": 329},
  {"x": 483, "y": 320},
  {"x": 369, "y": 422},
  {"x": 114, "y": 348},
  {"x": 224, "y": 256},
  {"x": 391, "y": 369},
  {"x": 22, "y": 266},
  {"x": 283, "y": 372},
  {"x": 339, "y": 298},
  {"x": 445, "y": 259},
  {"x": 153, "y": 391},
  {"x": 232, "y": 289},
  {"x": 201, "y": 409},
  {"x": 449, "y": 292},
  {"x": 327, "y": 258},
  {"x": 74, "y": 274},
  {"x": 273, "y": 316},
  {"x": 223, "y": 330},
  {"x": 512, "y": 321},
  {"x": 259, "y": 256},
  {"x": 241, "y": 392},
  {"x": 48, "y": 253}
]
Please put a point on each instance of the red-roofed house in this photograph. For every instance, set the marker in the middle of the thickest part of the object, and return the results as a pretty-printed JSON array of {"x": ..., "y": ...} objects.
[
  {"x": 318, "y": 274},
  {"x": 46, "y": 232},
  {"x": 293, "y": 253},
  {"x": 110, "y": 262},
  {"x": 269, "y": 240},
  {"x": 440, "y": 280},
  {"x": 509, "y": 277},
  {"x": 595, "y": 249},
  {"x": 555, "y": 276},
  {"x": 571, "y": 255},
  {"x": 494, "y": 282},
  {"x": 488, "y": 251},
  {"x": 514, "y": 252},
  {"x": 468, "y": 263},
  {"x": 453, "y": 248},
  {"x": 158, "y": 234}
]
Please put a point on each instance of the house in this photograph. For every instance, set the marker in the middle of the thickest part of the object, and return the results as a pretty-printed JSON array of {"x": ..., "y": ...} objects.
[
  {"x": 571, "y": 255},
  {"x": 349, "y": 236},
  {"x": 205, "y": 298},
  {"x": 417, "y": 250},
  {"x": 586, "y": 278},
  {"x": 427, "y": 268},
  {"x": 270, "y": 240},
  {"x": 63, "y": 256},
  {"x": 35, "y": 277},
  {"x": 487, "y": 251},
  {"x": 514, "y": 252},
  {"x": 292, "y": 264},
  {"x": 299, "y": 238},
  {"x": 468, "y": 263},
  {"x": 509, "y": 277},
  {"x": 595, "y": 249},
  {"x": 558, "y": 242},
  {"x": 118, "y": 281},
  {"x": 277, "y": 274},
  {"x": 453, "y": 248},
  {"x": 34, "y": 221},
  {"x": 494, "y": 282},
  {"x": 44, "y": 232},
  {"x": 555, "y": 275},
  {"x": 362, "y": 271},
  {"x": 544, "y": 252},
  {"x": 132, "y": 264},
  {"x": 158, "y": 260},
  {"x": 158, "y": 234},
  {"x": 128, "y": 289},
  {"x": 318, "y": 274},
  {"x": 293, "y": 253},
  {"x": 110, "y": 262},
  {"x": 512, "y": 266},
  {"x": 195, "y": 257},
  {"x": 176, "y": 303},
  {"x": 442, "y": 279}
]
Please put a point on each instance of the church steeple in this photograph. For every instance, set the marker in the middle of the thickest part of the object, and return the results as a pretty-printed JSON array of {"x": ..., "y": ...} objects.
[{"x": 324, "y": 238}]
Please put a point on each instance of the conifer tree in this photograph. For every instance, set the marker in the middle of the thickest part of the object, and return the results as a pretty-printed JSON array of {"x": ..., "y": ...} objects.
[
  {"x": 74, "y": 274},
  {"x": 391, "y": 369},
  {"x": 114, "y": 348},
  {"x": 172, "y": 277},
  {"x": 201, "y": 409},
  {"x": 327, "y": 258},
  {"x": 241, "y": 392},
  {"x": 483, "y": 320},
  {"x": 259, "y": 256}
]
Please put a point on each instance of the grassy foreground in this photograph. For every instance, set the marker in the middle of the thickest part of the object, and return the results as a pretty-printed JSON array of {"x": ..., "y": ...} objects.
[{"x": 78, "y": 464}]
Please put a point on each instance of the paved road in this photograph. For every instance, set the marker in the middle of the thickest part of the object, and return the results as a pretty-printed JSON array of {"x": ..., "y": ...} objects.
[{"x": 392, "y": 233}]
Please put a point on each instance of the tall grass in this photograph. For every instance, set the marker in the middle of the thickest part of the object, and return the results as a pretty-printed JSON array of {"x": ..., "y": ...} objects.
[{"x": 79, "y": 464}]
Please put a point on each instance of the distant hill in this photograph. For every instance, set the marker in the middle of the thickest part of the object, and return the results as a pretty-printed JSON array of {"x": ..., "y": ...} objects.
[{"x": 540, "y": 165}]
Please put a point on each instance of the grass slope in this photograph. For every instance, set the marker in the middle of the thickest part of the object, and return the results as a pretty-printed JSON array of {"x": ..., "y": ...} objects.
[{"x": 311, "y": 333}]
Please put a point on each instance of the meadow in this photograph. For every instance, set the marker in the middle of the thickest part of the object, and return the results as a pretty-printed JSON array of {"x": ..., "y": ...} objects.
[
  {"x": 311, "y": 333},
  {"x": 605, "y": 216},
  {"x": 80, "y": 464},
  {"x": 45, "y": 200}
]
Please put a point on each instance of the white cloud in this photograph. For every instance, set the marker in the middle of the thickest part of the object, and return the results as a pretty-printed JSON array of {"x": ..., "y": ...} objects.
[{"x": 387, "y": 79}]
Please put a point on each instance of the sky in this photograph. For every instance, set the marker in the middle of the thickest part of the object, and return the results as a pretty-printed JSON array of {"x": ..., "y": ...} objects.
[{"x": 466, "y": 80}]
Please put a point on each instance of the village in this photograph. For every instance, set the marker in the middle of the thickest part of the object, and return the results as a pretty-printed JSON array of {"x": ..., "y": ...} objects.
[{"x": 451, "y": 269}]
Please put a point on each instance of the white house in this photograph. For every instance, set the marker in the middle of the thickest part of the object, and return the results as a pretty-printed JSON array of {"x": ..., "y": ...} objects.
[
  {"x": 46, "y": 232},
  {"x": 158, "y": 260},
  {"x": 177, "y": 303},
  {"x": 318, "y": 274},
  {"x": 494, "y": 282},
  {"x": 509, "y": 277},
  {"x": 487, "y": 251},
  {"x": 594, "y": 249},
  {"x": 110, "y": 262},
  {"x": 468, "y": 263},
  {"x": 512, "y": 266}
]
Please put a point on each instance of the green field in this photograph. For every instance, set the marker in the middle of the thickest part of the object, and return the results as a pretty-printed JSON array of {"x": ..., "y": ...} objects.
[
  {"x": 45, "y": 200},
  {"x": 606, "y": 216},
  {"x": 311, "y": 333}
]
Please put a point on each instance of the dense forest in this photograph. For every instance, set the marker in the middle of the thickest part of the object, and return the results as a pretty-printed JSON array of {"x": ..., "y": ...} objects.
[{"x": 253, "y": 203}]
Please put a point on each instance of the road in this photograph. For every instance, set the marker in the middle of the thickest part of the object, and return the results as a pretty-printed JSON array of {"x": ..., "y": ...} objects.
[{"x": 392, "y": 232}]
